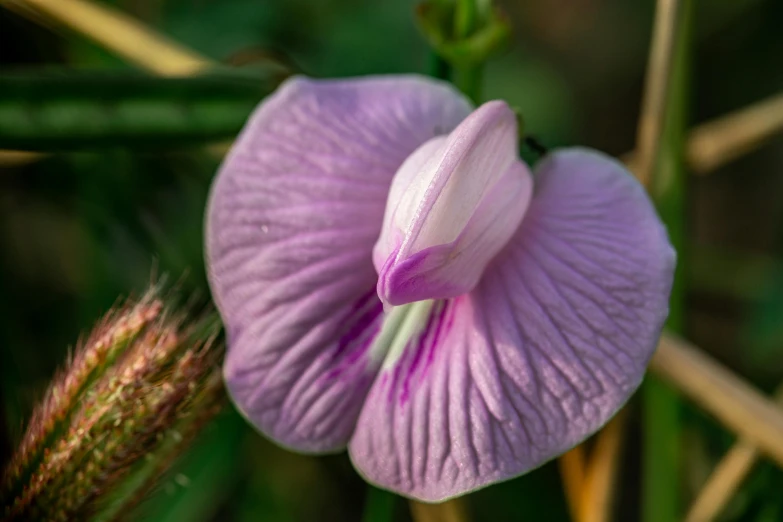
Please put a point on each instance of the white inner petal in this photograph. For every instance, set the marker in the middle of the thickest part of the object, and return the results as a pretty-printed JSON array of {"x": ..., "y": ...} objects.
[
  {"x": 468, "y": 179},
  {"x": 400, "y": 325},
  {"x": 408, "y": 186},
  {"x": 436, "y": 191},
  {"x": 452, "y": 206},
  {"x": 414, "y": 181}
]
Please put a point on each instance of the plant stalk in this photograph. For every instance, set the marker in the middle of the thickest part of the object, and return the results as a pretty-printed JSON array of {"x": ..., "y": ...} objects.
[{"x": 666, "y": 183}]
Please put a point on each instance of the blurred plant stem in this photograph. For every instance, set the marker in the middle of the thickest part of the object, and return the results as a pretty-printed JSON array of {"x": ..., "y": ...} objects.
[
  {"x": 572, "y": 472},
  {"x": 724, "y": 139},
  {"x": 60, "y": 109},
  {"x": 378, "y": 505},
  {"x": 727, "y": 477},
  {"x": 17, "y": 158},
  {"x": 600, "y": 479},
  {"x": 734, "y": 402},
  {"x": 469, "y": 16},
  {"x": 450, "y": 511},
  {"x": 117, "y": 32},
  {"x": 714, "y": 143},
  {"x": 466, "y": 18},
  {"x": 469, "y": 80},
  {"x": 657, "y": 113},
  {"x": 661, "y": 167},
  {"x": 464, "y": 34}
]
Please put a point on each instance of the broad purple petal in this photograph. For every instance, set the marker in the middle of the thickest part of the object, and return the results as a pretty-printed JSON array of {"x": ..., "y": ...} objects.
[
  {"x": 541, "y": 354},
  {"x": 452, "y": 207},
  {"x": 291, "y": 223}
]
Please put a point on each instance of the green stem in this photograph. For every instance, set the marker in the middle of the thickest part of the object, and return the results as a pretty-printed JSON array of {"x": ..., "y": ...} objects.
[
  {"x": 660, "y": 501},
  {"x": 465, "y": 18},
  {"x": 439, "y": 68},
  {"x": 469, "y": 79},
  {"x": 469, "y": 16}
]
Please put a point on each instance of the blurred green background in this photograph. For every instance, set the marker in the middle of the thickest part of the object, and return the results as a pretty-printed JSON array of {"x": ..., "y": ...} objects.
[{"x": 80, "y": 228}]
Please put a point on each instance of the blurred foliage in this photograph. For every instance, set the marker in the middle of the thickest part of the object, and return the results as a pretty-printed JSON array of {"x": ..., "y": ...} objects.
[{"x": 78, "y": 229}]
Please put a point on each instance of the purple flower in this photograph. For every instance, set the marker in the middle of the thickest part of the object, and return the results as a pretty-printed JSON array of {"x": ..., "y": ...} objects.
[{"x": 394, "y": 279}]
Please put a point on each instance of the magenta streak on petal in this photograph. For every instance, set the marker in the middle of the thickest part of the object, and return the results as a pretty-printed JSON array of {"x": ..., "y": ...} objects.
[
  {"x": 361, "y": 332},
  {"x": 420, "y": 274},
  {"x": 446, "y": 321},
  {"x": 422, "y": 348},
  {"x": 441, "y": 331},
  {"x": 362, "y": 322},
  {"x": 355, "y": 355},
  {"x": 345, "y": 374}
]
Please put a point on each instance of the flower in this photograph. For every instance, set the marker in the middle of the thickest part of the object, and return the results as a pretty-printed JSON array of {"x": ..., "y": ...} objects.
[{"x": 392, "y": 278}]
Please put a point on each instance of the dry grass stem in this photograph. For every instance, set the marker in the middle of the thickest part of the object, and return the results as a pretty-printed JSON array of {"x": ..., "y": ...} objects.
[
  {"x": 450, "y": 511},
  {"x": 17, "y": 158},
  {"x": 572, "y": 473},
  {"x": 730, "y": 399},
  {"x": 657, "y": 87},
  {"x": 724, "y": 481},
  {"x": 597, "y": 496},
  {"x": 712, "y": 144},
  {"x": 728, "y": 476},
  {"x": 219, "y": 149},
  {"x": 116, "y": 32},
  {"x": 717, "y": 142}
]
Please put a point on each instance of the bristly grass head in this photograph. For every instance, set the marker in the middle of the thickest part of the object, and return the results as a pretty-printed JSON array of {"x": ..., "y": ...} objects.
[{"x": 131, "y": 397}]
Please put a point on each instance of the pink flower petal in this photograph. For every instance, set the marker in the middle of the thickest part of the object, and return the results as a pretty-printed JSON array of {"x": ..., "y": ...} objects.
[
  {"x": 291, "y": 223},
  {"x": 549, "y": 345},
  {"x": 452, "y": 206}
]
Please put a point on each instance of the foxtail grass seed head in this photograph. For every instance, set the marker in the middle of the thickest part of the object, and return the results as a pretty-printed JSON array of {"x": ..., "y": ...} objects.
[
  {"x": 110, "y": 336},
  {"x": 144, "y": 375}
]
